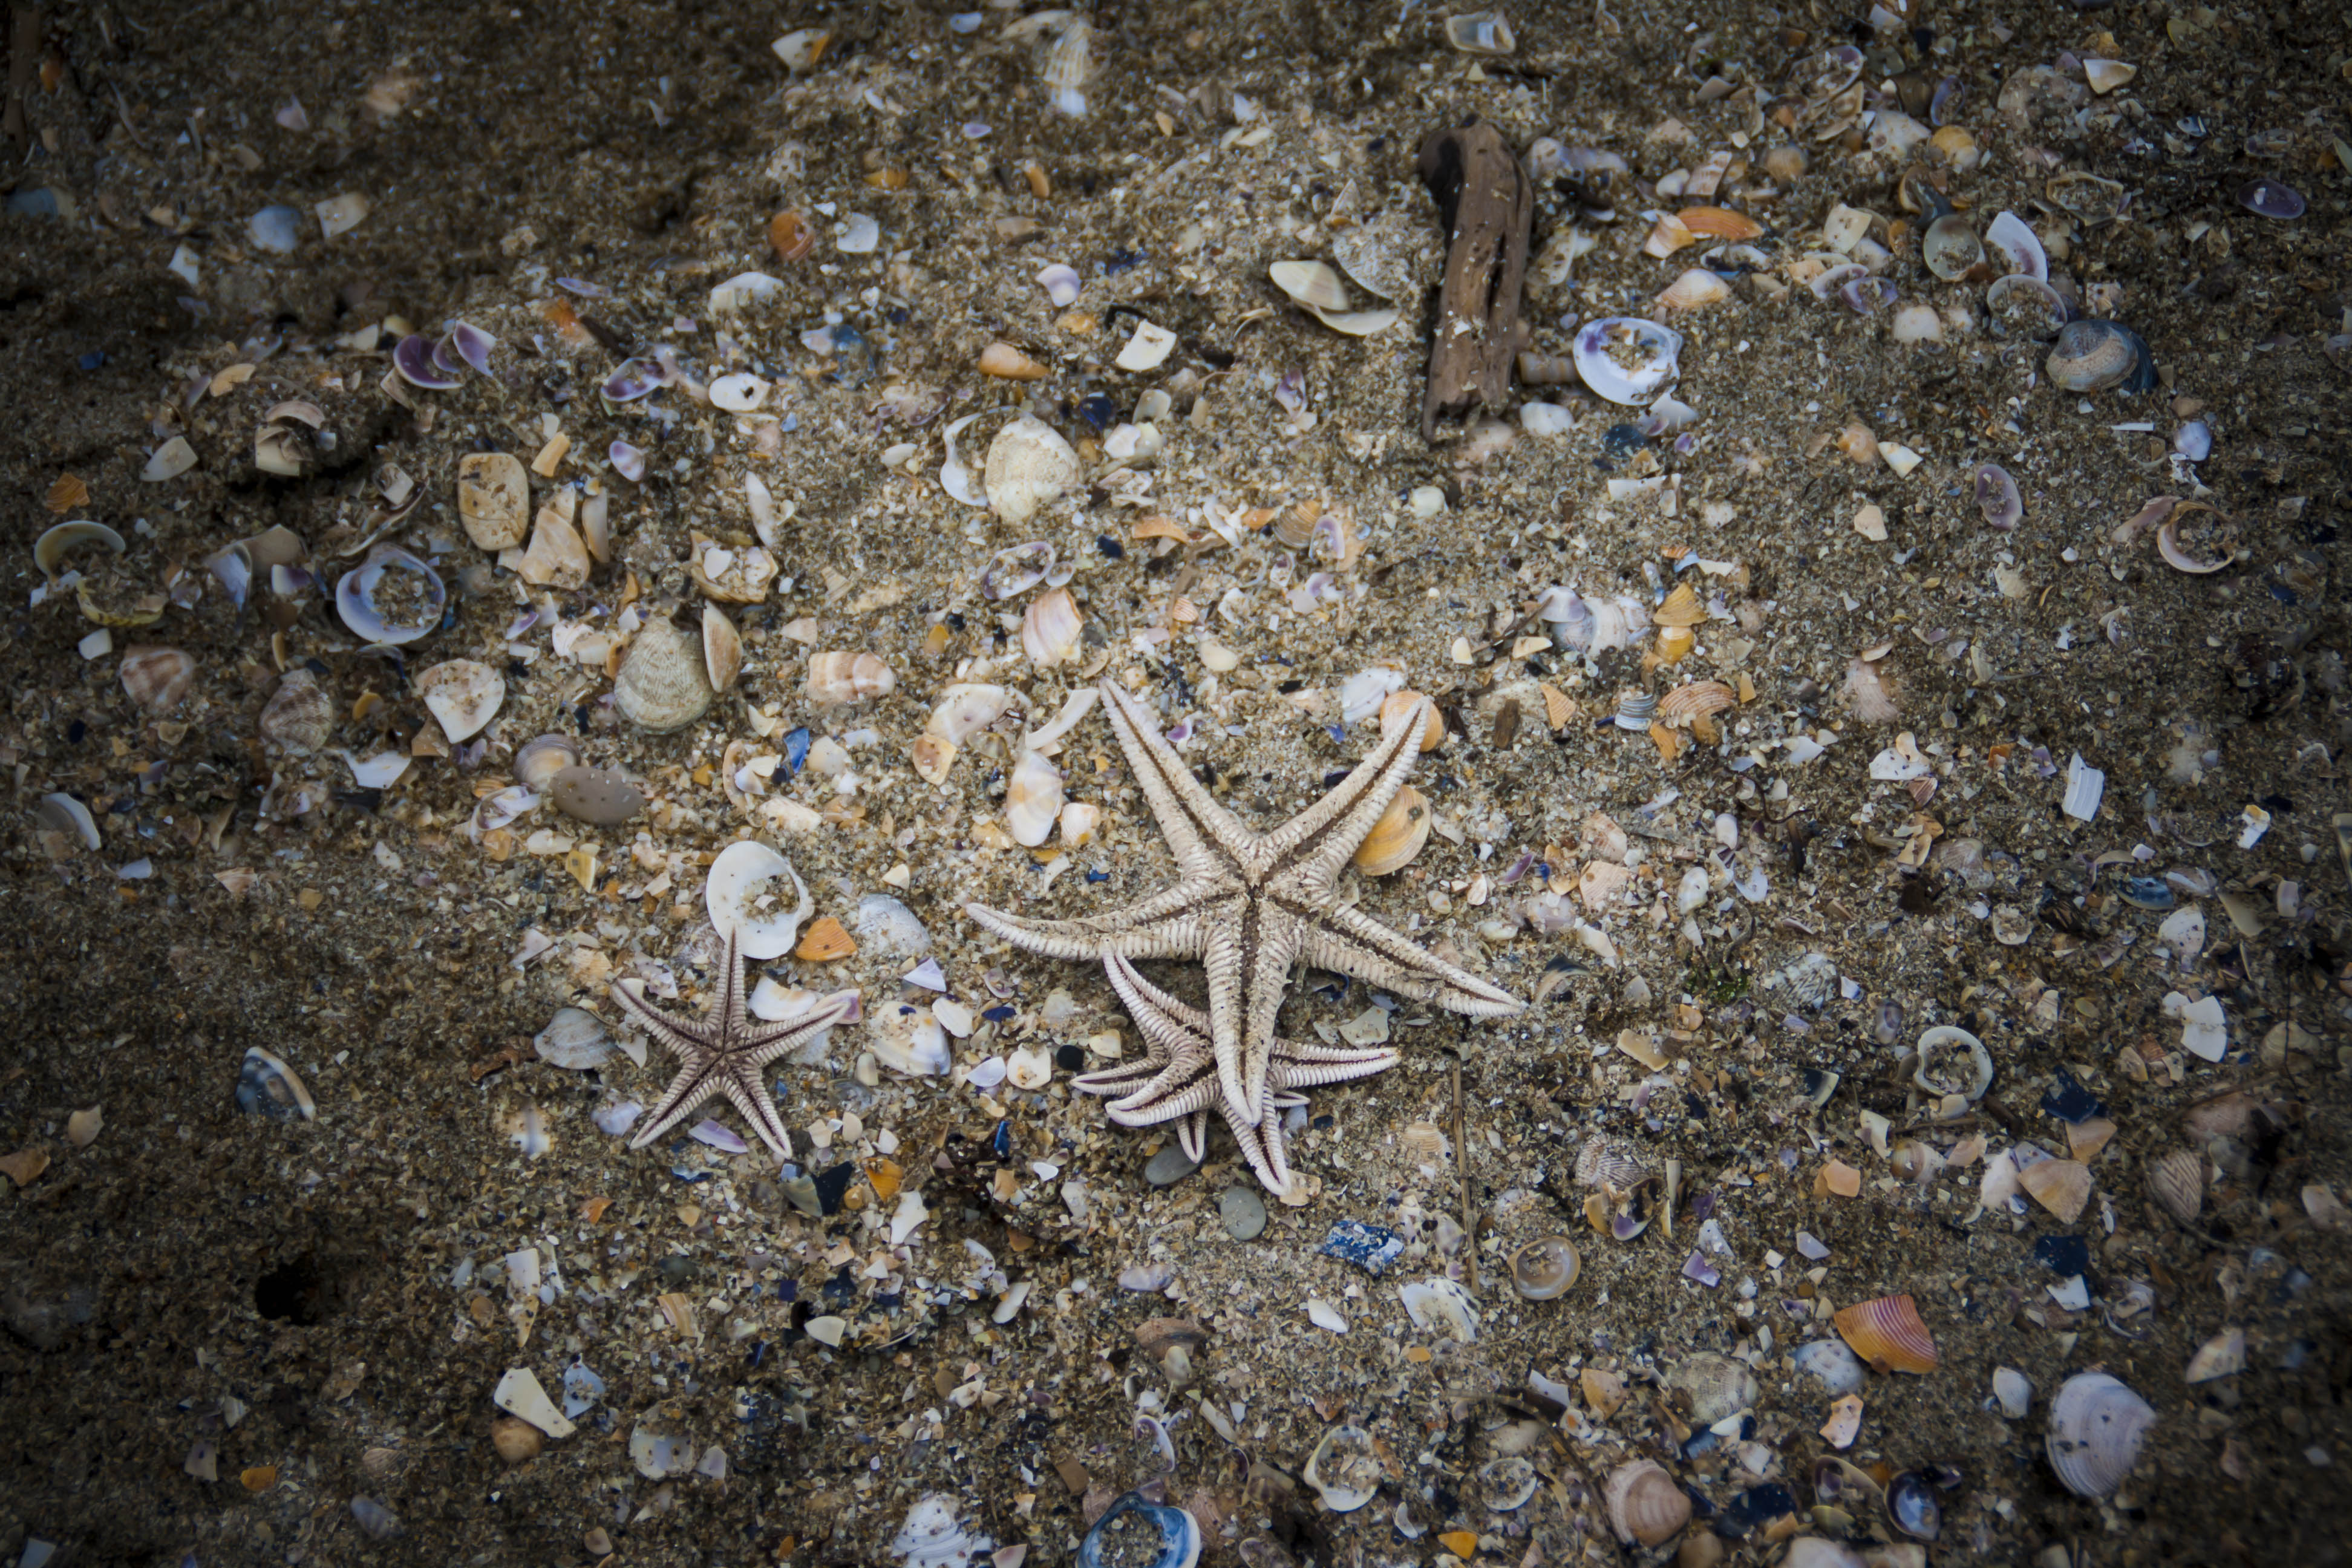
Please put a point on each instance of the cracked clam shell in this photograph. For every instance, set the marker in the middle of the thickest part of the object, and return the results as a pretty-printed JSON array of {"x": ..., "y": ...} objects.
[
  {"x": 1646, "y": 1506},
  {"x": 1950, "y": 247},
  {"x": 1345, "y": 1469},
  {"x": 463, "y": 694},
  {"x": 663, "y": 685},
  {"x": 1398, "y": 836},
  {"x": 739, "y": 897},
  {"x": 1029, "y": 467},
  {"x": 2097, "y": 1427},
  {"x": 1316, "y": 288},
  {"x": 493, "y": 499}
]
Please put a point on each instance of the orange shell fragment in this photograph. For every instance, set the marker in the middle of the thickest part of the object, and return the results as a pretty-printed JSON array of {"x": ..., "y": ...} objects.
[
  {"x": 824, "y": 942},
  {"x": 1888, "y": 1334}
]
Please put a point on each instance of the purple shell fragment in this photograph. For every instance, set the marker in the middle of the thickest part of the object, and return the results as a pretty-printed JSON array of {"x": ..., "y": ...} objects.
[
  {"x": 445, "y": 360},
  {"x": 412, "y": 358},
  {"x": 1865, "y": 295},
  {"x": 718, "y": 1137},
  {"x": 473, "y": 345},
  {"x": 2269, "y": 198},
  {"x": 582, "y": 288},
  {"x": 1696, "y": 1266},
  {"x": 634, "y": 380},
  {"x": 629, "y": 461},
  {"x": 1997, "y": 497}
]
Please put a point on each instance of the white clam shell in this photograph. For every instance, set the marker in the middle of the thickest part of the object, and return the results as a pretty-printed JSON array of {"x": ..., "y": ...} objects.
[
  {"x": 741, "y": 898},
  {"x": 463, "y": 694},
  {"x": 2016, "y": 248},
  {"x": 1344, "y": 1469},
  {"x": 1627, "y": 360},
  {"x": 1029, "y": 467},
  {"x": 1061, "y": 284},
  {"x": 1032, "y": 800},
  {"x": 739, "y": 393},
  {"x": 1150, "y": 345},
  {"x": 966, "y": 709},
  {"x": 2097, "y": 1427},
  {"x": 1442, "y": 1303},
  {"x": 1030, "y": 1066}
]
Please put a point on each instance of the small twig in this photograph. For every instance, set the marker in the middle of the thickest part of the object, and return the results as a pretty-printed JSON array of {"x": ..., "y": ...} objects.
[{"x": 1462, "y": 1169}]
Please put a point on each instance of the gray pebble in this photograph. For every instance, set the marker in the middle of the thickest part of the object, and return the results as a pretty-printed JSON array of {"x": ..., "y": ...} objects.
[
  {"x": 1243, "y": 1213},
  {"x": 599, "y": 797},
  {"x": 1168, "y": 1167}
]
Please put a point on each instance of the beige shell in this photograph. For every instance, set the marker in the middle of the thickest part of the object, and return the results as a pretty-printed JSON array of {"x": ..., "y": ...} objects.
[
  {"x": 729, "y": 576},
  {"x": 1398, "y": 706},
  {"x": 1398, "y": 836},
  {"x": 557, "y": 558},
  {"x": 1544, "y": 1268},
  {"x": 847, "y": 676},
  {"x": 157, "y": 678},
  {"x": 722, "y": 649},
  {"x": 493, "y": 499},
  {"x": 1601, "y": 1164},
  {"x": 2062, "y": 1187},
  {"x": 1696, "y": 700},
  {"x": 1694, "y": 291},
  {"x": 1715, "y": 1386},
  {"x": 1646, "y": 1506},
  {"x": 1029, "y": 467},
  {"x": 463, "y": 694},
  {"x": 2177, "y": 1182},
  {"x": 1009, "y": 363},
  {"x": 1050, "y": 629},
  {"x": 1032, "y": 800},
  {"x": 1682, "y": 608},
  {"x": 542, "y": 757},
  {"x": 300, "y": 716},
  {"x": 2097, "y": 1427},
  {"x": 664, "y": 684}
]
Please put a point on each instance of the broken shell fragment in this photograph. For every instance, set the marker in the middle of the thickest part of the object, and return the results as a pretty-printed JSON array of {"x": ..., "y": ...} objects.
[
  {"x": 390, "y": 597},
  {"x": 1887, "y": 1333},
  {"x": 2168, "y": 544},
  {"x": 1029, "y": 467},
  {"x": 1695, "y": 290},
  {"x": 1135, "y": 1531},
  {"x": 1442, "y": 1304},
  {"x": 1950, "y": 247},
  {"x": 2094, "y": 356},
  {"x": 1147, "y": 348},
  {"x": 463, "y": 694},
  {"x": 1316, "y": 288},
  {"x": 742, "y": 893},
  {"x": 2223, "y": 1355},
  {"x": 157, "y": 679},
  {"x": 1004, "y": 361},
  {"x": 722, "y": 649},
  {"x": 1344, "y": 1469},
  {"x": 1050, "y": 629},
  {"x": 1398, "y": 836},
  {"x": 267, "y": 1087},
  {"x": 662, "y": 684},
  {"x": 2062, "y": 1187},
  {"x": 1646, "y": 1506},
  {"x": 49, "y": 550},
  {"x": 1032, "y": 800},
  {"x": 2097, "y": 1427},
  {"x": 493, "y": 499},
  {"x": 843, "y": 677},
  {"x": 1627, "y": 360},
  {"x": 1953, "y": 1061},
  {"x": 1546, "y": 1267},
  {"x": 2015, "y": 250}
]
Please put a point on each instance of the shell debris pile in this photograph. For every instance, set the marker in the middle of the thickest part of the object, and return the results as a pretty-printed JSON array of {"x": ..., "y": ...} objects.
[{"x": 1885, "y": 709}]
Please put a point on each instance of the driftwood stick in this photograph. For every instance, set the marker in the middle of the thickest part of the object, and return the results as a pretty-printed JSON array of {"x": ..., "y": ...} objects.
[{"x": 1488, "y": 208}]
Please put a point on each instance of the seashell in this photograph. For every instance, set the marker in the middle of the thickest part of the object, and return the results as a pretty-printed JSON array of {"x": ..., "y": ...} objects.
[
  {"x": 157, "y": 678},
  {"x": 1720, "y": 223},
  {"x": 2013, "y": 1391},
  {"x": 1635, "y": 710},
  {"x": 542, "y": 757},
  {"x": 1546, "y": 1267},
  {"x": 1833, "y": 1364},
  {"x": 1864, "y": 296},
  {"x": 965, "y": 709},
  {"x": 1953, "y": 1061},
  {"x": 1029, "y": 467},
  {"x": 603, "y": 797},
  {"x": 1133, "y": 1532},
  {"x": 169, "y": 461},
  {"x": 2177, "y": 1182},
  {"x": 493, "y": 499},
  {"x": 1695, "y": 701},
  {"x": 2105, "y": 75},
  {"x": 463, "y": 695},
  {"x": 1867, "y": 689},
  {"x": 738, "y": 895},
  {"x": 1480, "y": 33},
  {"x": 1912, "y": 1504},
  {"x": 1147, "y": 348},
  {"x": 1695, "y": 290},
  {"x": 1715, "y": 1385},
  {"x": 2097, "y": 1427},
  {"x": 1061, "y": 284},
  {"x": 739, "y": 391},
  {"x": 1950, "y": 247},
  {"x": 516, "y": 1440},
  {"x": 2062, "y": 1187},
  {"x": 1032, "y": 800},
  {"x": 1845, "y": 1487},
  {"x": 2168, "y": 543},
  {"x": 956, "y": 477},
  {"x": 49, "y": 550},
  {"x": 1441, "y": 1303},
  {"x": 722, "y": 649},
  {"x": 2027, "y": 307},
  {"x": 730, "y": 577},
  {"x": 392, "y": 597},
  {"x": 301, "y": 715},
  {"x": 843, "y": 677},
  {"x": 1627, "y": 360},
  {"x": 1997, "y": 497},
  {"x": 1005, "y": 361},
  {"x": 1050, "y": 629},
  {"x": 1316, "y": 288},
  {"x": 1400, "y": 706},
  {"x": 1068, "y": 65},
  {"x": 664, "y": 684},
  {"x": 2015, "y": 249},
  {"x": 1546, "y": 370},
  {"x": 1398, "y": 836},
  {"x": 1345, "y": 1469},
  {"x": 1013, "y": 572},
  {"x": 824, "y": 942},
  {"x": 2223, "y": 1355},
  {"x": 1646, "y": 1506},
  {"x": 2091, "y": 356},
  {"x": 2273, "y": 198},
  {"x": 267, "y": 1087},
  {"x": 2087, "y": 197},
  {"x": 1887, "y": 1335},
  {"x": 1681, "y": 608},
  {"x": 575, "y": 1039}
]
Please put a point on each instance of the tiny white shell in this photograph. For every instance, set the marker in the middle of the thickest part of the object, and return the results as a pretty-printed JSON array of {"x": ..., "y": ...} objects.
[
  {"x": 955, "y": 475},
  {"x": 1442, "y": 1303},
  {"x": 738, "y": 899},
  {"x": 463, "y": 695},
  {"x": 739, "y": 392},
  {"x": 1032, "y": 800},
  {"x": 1030, "y": 1066},
  {"x": 1060, "y": 283},
  {"x": 1146, "y": 350}
]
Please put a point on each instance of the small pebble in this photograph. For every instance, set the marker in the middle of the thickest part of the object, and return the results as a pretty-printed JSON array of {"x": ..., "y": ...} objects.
[
  {"x": 1244, "y": 1213},
  {"x": 517, "y": 1440},
  {"x": 1167, "y": 1168}
]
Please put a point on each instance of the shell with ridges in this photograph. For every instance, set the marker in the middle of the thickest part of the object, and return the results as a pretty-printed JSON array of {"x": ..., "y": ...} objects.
[
  {"x": 301, "y": 715},
  {"x": 1646, "y": 1506},
  {"x": 1696, "y": 700},
  {"x": 1398, "y": 707},
  {"x": 1682, "y": 608},
  {"x": 1050, "y": 629},
  {"x": 1398, "y": 836},
  {"x": 2177, "y": 1182},
  {"x": 844, "y": 677},
  {"x": 157, "y": 678},
  {"x": 824, "y": 942},
  {"x": 1887, "y": 1333},
  {"x": 1029, "y": 467},
  {"x": 722, "y": 649},
  {"x": 2097, "y": 1427},
  {"x": 664, "y": 684}
]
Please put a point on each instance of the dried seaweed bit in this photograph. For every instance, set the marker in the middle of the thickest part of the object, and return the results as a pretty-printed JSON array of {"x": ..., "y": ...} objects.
[{"x": 1488, "y": 208}]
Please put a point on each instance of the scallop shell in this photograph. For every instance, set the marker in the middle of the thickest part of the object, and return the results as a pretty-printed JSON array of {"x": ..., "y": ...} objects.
[
  {"x": 1646, "y": 1506},
  {"x": 2097, "y": 1427},
  {"x": 1068, "y": 65},
  {"x": 463, "y": 694},
  {"x": 575, "y": 1039},
  {"x": 1441, "y": 1303},
  {"x": 157, "y": 678},
  {"x": 300, "y": 716},
  {"x": 493, "y": 499},
  {"x": 1345, "y": 1468},
  {"x": 1398, "y": 836},
  {"x": 1029, "y": 467},
  {"x": 2092, "y": 356},
  {"x": 1398, "y": 707},
  {"x": 2177, "y": 1182},
  {"x": 1032, "y": 800},
  {"x": 739, "y": 897},
  {"x": 1887, "y": 1333},
  {"x": 1050, "y": 629},
  {"x": 722, "y": 649},
  {"x": 1546, "y": 1267},
  {"x": 664, "y": 684},
  {"x": 1715, "y": 1385},
  {"x": 1698, "y": 700},
  {"x": 1627, "y": 360},
  {"x": 843, "y": 677}
]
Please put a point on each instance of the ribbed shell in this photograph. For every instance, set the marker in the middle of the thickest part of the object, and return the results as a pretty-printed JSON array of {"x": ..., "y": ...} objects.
[
  {"x": 1888, "y": 1334},
  {"x": 300, "y": 716},
  {"x": 2097, "y": 1426},
  {"x": 663, "y": 685},
  {"x": 1644, "y": 1503},
  {"x": 2177, "y": 1182},
  {"x": 1700, "y": 697}
]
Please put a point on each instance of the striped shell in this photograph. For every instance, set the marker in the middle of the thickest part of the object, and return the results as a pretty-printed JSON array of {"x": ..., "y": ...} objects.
[
  {"x": 662, "y": 684},
  {"x": 844, "y": 677},
  {"x": 2177, "y": 1182},
  {"x": 1681, "y": 608},
  {"x": 2097, "y": 1426},
  {"x": 1635, "y": 710},
  {"x": 1888, "y": 1334},
  {"x": 1697, "y": 698},
  {"x": 1601, "y": 1164},
  {"x": 1644, "y": 1503}
]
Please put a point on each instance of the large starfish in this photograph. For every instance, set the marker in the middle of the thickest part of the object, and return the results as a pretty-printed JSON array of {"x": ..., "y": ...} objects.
[
  {"x": 725, "y": 1053},
  {"x": 1175, "y": 1079},
  {"x": 1250, "y": 906}
]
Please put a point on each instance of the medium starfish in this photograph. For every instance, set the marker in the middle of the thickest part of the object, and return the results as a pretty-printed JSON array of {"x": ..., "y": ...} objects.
[
  {"x": 1250, "y": 906},
  {"x": 1175, "y": 1080},
  {"x": 725, "y": 1052}
]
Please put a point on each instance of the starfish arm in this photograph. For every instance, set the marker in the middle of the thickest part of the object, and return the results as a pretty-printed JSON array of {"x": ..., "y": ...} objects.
[
  {"x": 1187, "y": 1055},
  {"x": 1352, "y": 942},
  {"x": 1193, "y": 1137},
  {"x": 675, "y": 1036},
  {"x": 1296, "y": 1064},
  {"x": 1269, "y": 944},
  {"x": 749, "y": 1095},
  {"x": 1261, "y": 1145},
  {"x": 1203, "y": 835},
  {"x": 1315, "y": 843},
  {"x": 694, "y": 1082},
  {"x": 764, "y": 1043},
  {"x": 1164, "y": 926},
  {"x": 1181, "y": 1100}
]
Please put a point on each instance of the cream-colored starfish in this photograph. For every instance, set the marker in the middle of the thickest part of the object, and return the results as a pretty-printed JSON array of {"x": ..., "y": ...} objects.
[
  {"x": 726, "y": 1053},
  {"x": 1251, "y": 906},
  {"x": 1175, "y": 1079}
]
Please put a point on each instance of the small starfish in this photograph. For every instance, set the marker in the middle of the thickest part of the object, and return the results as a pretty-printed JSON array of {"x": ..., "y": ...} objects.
[
  {"x": 725, "y": 1052},
  {"x": 1176, "y": 1079},
  {"x": 1251, "y": 906}
]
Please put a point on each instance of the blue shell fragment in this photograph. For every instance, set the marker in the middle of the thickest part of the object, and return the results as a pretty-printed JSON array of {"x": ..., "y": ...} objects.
[{"x": 1370, "y": 1247}]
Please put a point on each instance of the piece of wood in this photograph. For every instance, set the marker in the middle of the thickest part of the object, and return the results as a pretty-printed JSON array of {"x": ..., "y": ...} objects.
[{"x": 1488, "y": 208}]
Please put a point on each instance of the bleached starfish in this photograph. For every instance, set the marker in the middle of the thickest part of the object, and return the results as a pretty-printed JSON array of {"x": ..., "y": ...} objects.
[
  {"x": 726, "y": 1053},
  {"x": 1175, "y": 1080},
  {"x": 1250, "y": 906}
]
